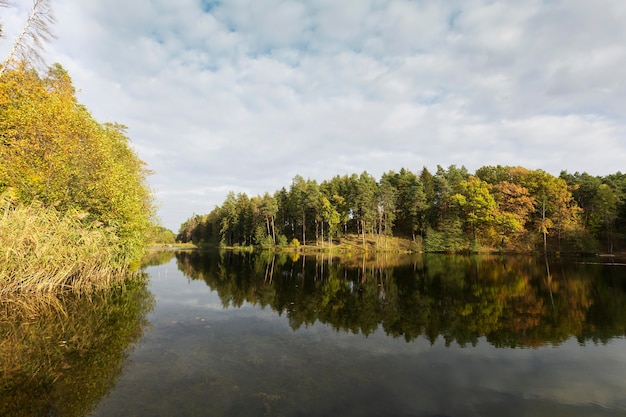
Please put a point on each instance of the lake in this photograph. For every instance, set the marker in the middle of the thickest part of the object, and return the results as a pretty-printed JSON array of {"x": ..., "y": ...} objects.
[{"x": 220, "y": 334}]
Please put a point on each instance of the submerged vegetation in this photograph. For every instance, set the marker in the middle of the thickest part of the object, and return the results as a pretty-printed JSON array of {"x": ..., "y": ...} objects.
[{"x": 498, "y": 208}]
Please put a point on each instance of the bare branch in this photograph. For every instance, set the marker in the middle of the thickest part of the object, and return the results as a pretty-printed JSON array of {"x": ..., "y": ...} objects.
[
  {"x": 29, "y": 44},
  {"x": 3, "y": 3}
]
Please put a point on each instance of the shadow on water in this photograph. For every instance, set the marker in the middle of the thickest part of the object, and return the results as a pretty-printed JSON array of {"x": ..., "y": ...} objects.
[{"x": 62, "y": 358}]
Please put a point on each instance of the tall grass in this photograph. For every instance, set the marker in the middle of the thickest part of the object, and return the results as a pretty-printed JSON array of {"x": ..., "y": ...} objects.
[{"x": 45, "y": 251}]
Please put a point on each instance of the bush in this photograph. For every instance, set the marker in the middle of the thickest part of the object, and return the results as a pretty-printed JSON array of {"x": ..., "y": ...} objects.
[{"x": 281, "y": 241}]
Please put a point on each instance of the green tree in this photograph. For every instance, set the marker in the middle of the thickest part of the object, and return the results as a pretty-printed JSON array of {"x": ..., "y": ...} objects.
[
  {"x": 229, "y": 219},
  {"x": 246, "y": 224},
  {"x": 605, "y": 203},
  {"x": 298, "y": 202},
  {"x": 340, "y": 191},
  {"x": 366, "y": 210},
  {"x": 584, "y": 188},
  {"x": 410, "y": 202},
  {"x": 386, "y": 206},
  {"x": 269, "y": 208},
  {"x": 478, "y": 205},
  {"x": 331, "y": 216},
  {"x": 430, "y": 216},
  {"x": 313, "y": 205}
]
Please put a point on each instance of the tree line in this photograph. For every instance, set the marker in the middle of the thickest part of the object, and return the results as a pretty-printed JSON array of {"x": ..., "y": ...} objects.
[{"x": 507, "y": 208}]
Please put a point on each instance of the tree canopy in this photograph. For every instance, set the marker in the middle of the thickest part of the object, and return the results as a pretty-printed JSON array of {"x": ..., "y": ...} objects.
[{"x": 506, "y": 208}]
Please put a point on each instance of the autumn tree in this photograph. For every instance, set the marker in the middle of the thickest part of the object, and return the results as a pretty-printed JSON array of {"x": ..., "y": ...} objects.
[
  {"x": 501, "y": 207},
  {"x": 514, "y": 206},
  {"x": 555, "y": 209},
  {"x": 53, "y": 151}
]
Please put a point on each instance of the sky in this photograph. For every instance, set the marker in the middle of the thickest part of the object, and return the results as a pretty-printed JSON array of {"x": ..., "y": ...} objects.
[{"x": 243, "y": 95}]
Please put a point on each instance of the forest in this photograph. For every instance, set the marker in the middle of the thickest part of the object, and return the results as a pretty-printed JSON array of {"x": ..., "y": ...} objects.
[{"x": 497, "y": 208}]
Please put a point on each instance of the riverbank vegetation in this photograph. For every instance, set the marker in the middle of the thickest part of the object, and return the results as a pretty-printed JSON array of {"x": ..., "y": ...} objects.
[
  {"x": 46, "y": 250},
  {"x": 76, "y": 207},
  {"x": 497, "y": 208}
]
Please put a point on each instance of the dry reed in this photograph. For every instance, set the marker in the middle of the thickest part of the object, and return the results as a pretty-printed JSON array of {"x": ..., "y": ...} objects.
[{"x": 45, "y": 251}]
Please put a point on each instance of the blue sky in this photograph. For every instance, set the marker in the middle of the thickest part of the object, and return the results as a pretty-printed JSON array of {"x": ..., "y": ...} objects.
[{"x": 243, "y": 95}]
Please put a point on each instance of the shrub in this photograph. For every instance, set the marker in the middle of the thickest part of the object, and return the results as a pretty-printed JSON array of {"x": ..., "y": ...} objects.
[{"x": 281, "y": 241}]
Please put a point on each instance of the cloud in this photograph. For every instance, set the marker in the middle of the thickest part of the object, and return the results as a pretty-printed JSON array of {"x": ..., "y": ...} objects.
[{"x": 242, "y": 95}]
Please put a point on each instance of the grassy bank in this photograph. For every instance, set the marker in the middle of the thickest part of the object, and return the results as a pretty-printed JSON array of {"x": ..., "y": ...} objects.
[
  {"x": 350, "y": 243},
  {"x": 44, "y": 250}
]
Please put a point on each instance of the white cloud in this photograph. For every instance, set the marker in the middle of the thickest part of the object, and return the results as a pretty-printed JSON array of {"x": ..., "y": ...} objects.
[{"x": 242, "y": 95}]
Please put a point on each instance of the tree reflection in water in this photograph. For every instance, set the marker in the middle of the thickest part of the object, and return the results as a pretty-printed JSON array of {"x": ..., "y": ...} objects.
[{"x": 509, "y": 300}]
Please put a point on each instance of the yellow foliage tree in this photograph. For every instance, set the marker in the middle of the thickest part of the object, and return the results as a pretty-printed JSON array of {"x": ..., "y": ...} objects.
[{"x": 54, "y": 151}]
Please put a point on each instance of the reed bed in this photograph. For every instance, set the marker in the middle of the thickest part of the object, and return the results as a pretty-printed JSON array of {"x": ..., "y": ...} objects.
[{"x": 43, "y": 250}]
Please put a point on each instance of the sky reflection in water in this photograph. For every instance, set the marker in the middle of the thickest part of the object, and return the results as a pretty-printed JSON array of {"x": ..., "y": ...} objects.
[{"x": 199, "y": 359}]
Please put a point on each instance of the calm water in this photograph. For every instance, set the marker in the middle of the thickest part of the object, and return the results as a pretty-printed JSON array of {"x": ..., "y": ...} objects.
[{"x": 417, "y": 336}]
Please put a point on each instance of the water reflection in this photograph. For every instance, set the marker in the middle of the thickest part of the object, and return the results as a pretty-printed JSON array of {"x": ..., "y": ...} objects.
[
  {"x": 279, "y": 335},
  {"x": 510, "y": 301},
  {"x": 157, "y": 257},
  {"x": 62, "y": 356}
]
